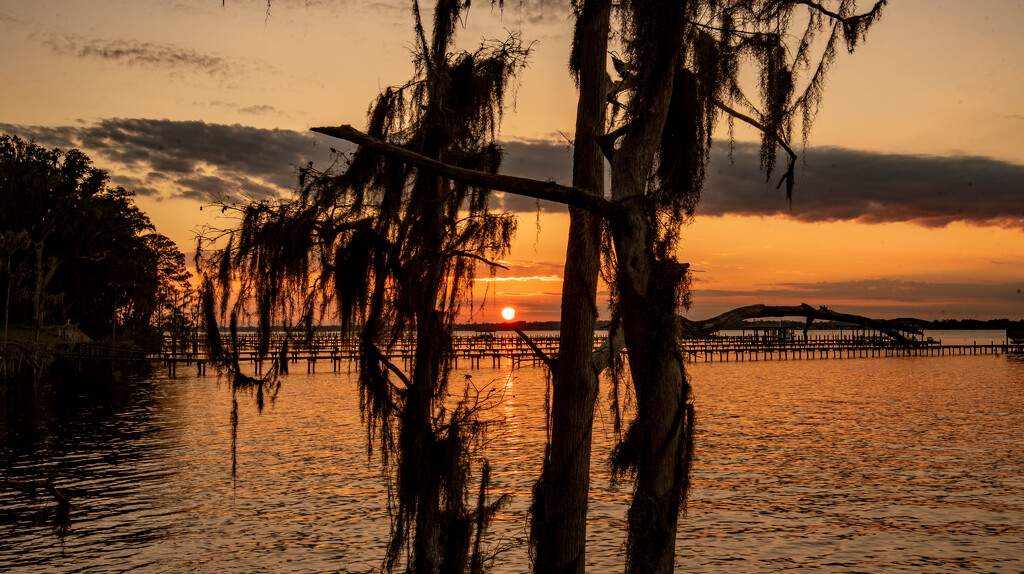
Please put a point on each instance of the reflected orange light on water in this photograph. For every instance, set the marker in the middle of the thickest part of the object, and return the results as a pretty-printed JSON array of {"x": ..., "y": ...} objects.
[{"x": 812, "y": 463}]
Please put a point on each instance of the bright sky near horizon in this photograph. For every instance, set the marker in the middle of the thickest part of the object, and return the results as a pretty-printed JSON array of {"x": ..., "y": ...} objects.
[{"x": 909, "y": 199}]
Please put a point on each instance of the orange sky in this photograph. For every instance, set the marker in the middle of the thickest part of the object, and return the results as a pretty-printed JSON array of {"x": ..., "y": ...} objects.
[{"x": 179, "y": 99}]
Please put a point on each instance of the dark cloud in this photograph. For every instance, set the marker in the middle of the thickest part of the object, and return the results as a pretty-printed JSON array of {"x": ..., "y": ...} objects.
[
  {"x": 833, "y": 185},
  {"x": 844, "y": 185},
  {"x": 536, "y": 160},
  {"x": 884, "y": 290},
  {"x": 191, "y": 159},
  {"x": 143, "y": 54},
  {"x": 136, "y": 184}
]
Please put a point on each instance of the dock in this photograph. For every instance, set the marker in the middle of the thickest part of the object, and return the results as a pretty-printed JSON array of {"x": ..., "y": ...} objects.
[
  {"x": 724, "y": 350},
  {"x": 501, "y": 350}
]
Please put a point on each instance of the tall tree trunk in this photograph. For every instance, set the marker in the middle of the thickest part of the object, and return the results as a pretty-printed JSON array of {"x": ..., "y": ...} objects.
[
  {"x": 648, "y": 284},
  {"x": 7, "y": 299},
  {"x": 659, "y": 441},
  {"x": 37, "y": 292},
  {"x": 559, "y": 526},
  {"x": 422, "y": 471},
  {"x": 419, "y": 468},
  {"x": 660, "y": 436}
]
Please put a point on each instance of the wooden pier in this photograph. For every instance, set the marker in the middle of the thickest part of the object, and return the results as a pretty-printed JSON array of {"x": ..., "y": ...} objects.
[
  {"x": 495, "y": 351},
  {"x": 726, "y": 351}
]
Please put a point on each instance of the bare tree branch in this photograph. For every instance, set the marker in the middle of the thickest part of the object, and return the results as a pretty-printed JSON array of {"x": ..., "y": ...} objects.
[
  {"x": 788, "y": 178},
  {"x": 607, "y": 141},
  {"x": 774, "y": 135},
  {"x": 394, "y": 369},
  {"x": 536, "y": 350},
  {"x": 822, "y": 9},
  {"x": 694, "y": 329},
  {"x": 484, "y": 260},
  {"x": 603, "y": 356},
  {"x": 546, "y": 190},
  {"x": 854, "y": 25}
]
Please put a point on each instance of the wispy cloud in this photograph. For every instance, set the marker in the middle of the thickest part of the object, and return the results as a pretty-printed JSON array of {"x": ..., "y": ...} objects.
[
  {"x": 144, "y": 55},
  {"x": 256, "y": 110},
  {"x": 259, "y": 110},
  {"x": 537, "y": 12},
  {"x": 833, "y": 185},
  {"x": 542, "y": 278},
  {"x": 153, "y": 55}
]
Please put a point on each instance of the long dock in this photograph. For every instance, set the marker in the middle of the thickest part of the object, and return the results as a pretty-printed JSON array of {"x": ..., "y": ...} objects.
[
  {"x": 476, "y": 352},
  {"x": 726, "y": 351},
  {"x": 468, "y": 351}
]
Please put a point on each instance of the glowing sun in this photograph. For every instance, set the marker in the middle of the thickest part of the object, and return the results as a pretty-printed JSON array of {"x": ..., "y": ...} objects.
[{"x": 508, "y": 313}]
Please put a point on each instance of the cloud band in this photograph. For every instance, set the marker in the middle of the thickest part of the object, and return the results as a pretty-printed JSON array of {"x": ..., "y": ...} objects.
[{"x": 194, "y": 160}]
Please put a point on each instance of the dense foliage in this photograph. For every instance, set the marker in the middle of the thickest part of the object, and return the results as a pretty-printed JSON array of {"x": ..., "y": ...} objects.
[{"x": 77, "y": 251}]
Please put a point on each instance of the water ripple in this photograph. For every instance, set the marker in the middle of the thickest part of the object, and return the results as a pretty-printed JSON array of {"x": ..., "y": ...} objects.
[{"x": 900, "y": 465}]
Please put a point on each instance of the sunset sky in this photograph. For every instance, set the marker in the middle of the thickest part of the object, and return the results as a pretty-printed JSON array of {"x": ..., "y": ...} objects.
[{"x": 909, "y": 198}]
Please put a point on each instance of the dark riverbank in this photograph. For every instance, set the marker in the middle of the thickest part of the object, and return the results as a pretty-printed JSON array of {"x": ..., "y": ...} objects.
[{"x": 63, "y": 350}]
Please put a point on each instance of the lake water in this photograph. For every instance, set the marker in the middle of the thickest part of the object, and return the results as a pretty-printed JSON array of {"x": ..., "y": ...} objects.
[{"x": 860, "y": 465}]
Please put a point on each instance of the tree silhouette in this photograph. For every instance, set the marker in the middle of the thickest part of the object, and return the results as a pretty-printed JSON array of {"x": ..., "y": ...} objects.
[
  {"x": 681, "y": 71},
  {"x": 77, "y": 250},
  {"x": 394, "y": 248}
]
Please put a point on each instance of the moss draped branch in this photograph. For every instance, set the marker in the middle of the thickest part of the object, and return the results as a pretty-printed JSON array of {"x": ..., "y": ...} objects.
[{"x": 526, "y": 187}]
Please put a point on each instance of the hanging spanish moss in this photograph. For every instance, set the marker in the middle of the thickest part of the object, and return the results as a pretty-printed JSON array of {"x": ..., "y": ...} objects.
[
  {"x": 681, "y": 69},
  {"x": 389, "y": 250}
]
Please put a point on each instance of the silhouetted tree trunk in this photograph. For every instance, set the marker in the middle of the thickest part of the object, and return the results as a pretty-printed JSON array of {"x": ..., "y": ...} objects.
[
  {"x": 649, "y": 284},
  {"x": 559, "y": 518},
  {"x": 44, "y": 271},
  {"x": 11, "y": 241}
]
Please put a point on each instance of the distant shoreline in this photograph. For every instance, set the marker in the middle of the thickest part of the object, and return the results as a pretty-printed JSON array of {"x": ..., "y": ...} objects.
[{"x": 945, "y": 324}]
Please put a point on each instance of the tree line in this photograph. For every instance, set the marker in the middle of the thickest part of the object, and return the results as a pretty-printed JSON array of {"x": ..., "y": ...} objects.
[
  {"x": 390, "y": 238},
  {"x": 76, "y": 251}
]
